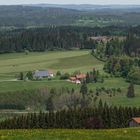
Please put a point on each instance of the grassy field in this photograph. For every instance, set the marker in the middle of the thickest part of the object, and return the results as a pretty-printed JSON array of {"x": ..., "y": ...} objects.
[
  {"x": 63, "y": 134},
  {"x": 64, "y": 61},
  {"x": 118, "y": 99}
]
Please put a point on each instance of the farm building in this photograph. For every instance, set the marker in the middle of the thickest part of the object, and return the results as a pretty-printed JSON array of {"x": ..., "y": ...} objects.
[
  {"x": 78, "y": 78},
  {"x": 135, "y": 122},
  {"x": 81, "y": 76},
  {"x": 101, "y": 38},
  {"x": 43, "y": 74},
  {"x": 106, "y": 38}
]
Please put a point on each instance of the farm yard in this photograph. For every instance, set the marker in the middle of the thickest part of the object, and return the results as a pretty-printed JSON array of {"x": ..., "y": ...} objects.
[
  {"x": 65, "y": 134},
  {"x": 64, "y": 61}
]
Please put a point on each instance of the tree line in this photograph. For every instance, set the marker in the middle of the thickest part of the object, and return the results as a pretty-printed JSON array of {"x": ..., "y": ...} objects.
[
  {"x": 124, "y": 66},
  {"x": 65, "y": 37},
  {"x": 103, "y": 116}
]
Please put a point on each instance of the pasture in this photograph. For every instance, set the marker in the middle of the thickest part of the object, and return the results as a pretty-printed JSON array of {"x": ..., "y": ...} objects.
[
  {"x": 65, "y": 134},
  {"x": 64, "y": 61}
]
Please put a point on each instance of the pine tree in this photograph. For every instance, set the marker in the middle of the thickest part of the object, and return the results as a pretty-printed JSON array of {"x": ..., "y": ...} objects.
[
  {"x": 131, "y": 92},
  {"x": 21, "y": 76},
  {"x": 87, "y": 78},
  {"x": 29, "y": 75},
  {"x": 84, "y": 89},
  {"x": 49, "y": 104}
]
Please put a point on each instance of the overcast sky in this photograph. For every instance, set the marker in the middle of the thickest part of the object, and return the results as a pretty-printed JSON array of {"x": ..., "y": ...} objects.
[{"x": 9, "y": 2}]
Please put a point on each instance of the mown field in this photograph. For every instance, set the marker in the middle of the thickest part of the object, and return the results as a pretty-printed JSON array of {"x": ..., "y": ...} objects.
[
  {"x": 63, "y": 134},
  {"x": 64, "y": 61}
]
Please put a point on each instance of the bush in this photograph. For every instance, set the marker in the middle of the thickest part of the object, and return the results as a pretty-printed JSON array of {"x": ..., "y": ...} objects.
[
  {"x": 58, "y": 73},
  {"x": 134, "y": 76},
  {"x": 65, "y": 76}
]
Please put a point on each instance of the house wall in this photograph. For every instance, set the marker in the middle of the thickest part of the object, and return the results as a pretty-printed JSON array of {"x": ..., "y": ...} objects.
[
  {"x": 51, "y": 75},
  {"x": 134, "y": 124}
]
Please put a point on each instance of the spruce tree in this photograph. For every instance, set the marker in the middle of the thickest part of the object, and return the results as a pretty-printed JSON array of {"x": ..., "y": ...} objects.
[
  {"x": 131, "y": 92},
  {"x": 87, "y": 78},
  {"x": 84, "y": 89},
  {"x": 21, "y": 76}
]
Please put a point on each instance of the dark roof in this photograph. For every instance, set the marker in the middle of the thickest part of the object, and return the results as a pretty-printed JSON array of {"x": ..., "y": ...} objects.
[{"x": 41, "y": 73}]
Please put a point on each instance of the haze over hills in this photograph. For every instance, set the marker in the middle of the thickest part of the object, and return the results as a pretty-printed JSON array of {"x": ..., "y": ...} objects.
[
  {"x": 86, "y": 6},
  {"x": 79, "y": 15}
]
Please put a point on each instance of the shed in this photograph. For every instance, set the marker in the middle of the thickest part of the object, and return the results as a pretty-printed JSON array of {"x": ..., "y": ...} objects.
[{"x": 135, "y": 122}]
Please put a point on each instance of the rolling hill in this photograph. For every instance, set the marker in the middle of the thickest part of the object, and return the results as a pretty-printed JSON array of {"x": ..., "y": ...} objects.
[{"x": 80, "y": 15}]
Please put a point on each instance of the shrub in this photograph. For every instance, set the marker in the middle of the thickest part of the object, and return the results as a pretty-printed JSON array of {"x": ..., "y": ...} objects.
[{"x": 65, "y": 76}]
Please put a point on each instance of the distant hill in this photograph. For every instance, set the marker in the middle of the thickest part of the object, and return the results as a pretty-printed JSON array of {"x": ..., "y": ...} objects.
[
  {"x": 79, "y": 15},
  {"x": 21, "y": 16},
  {"x": 87, "y": 6}
]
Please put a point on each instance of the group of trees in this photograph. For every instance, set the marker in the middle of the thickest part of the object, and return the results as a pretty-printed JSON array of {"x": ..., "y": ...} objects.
[
  {"x": 68, "y": 37},
  {"x": 118, "y": 46},
  {"x": 93, "y": 76},
  {"x": 129, "y": 45},
  {"x": 103, "y": 116},
  {"x": 109, "y": 91},
  {"x": 134, "y": 76},
  {"x": 12, "y": 106},
  {"x": 124, "y": 66},
  {"x": 119, "y": 66},
  {"x": 42, "y": 39},
  {"x": 132, "y": 45},
  {"x": 24, "y": 76}
]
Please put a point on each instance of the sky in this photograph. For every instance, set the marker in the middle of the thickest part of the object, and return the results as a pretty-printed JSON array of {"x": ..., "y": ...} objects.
[{"x": 103, "y": 2}]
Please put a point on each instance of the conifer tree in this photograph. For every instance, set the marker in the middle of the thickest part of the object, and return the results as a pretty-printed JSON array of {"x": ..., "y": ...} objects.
[
  {"x": 131, "y": 92},
  {"x": 87, "y": 78},
  {"x": 84, "y": 89}
]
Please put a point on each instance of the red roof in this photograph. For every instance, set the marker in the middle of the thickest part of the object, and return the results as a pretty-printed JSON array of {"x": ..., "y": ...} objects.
[
  {"x": 81, "y": 76},
  {"x": 136, "y": 119}
]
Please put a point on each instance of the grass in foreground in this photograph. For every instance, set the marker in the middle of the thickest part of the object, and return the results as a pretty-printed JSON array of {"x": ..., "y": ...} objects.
[{"x": 64, "y": 134}]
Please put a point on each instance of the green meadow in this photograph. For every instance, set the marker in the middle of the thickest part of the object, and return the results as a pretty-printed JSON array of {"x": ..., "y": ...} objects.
[
  {"x": 64, "y": 61},
  {"x": 65, "y": 134}
]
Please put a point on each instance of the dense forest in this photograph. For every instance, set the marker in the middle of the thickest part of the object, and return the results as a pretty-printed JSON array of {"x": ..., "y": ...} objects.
[
  {"x": 35, "y": 16},
  {"x": 67, "y": 37},
  {"x": 103, "y": 116}
]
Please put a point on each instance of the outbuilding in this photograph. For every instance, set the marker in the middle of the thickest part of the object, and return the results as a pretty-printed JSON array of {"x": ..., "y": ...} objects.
[
  {"x": 135, "y": 122},
  {"x": 43, "y": 74}
]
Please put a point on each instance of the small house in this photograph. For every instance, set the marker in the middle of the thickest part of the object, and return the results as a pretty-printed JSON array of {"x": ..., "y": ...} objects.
[
  {"x": 43, "y": 74},
  {"x": 135, "y": 122},
  {"x": 72, "y": 79},
  {"x": 78, "y": 78},
  {"x": 78, "y": 82},
  {"x": 81, "y": 76}
]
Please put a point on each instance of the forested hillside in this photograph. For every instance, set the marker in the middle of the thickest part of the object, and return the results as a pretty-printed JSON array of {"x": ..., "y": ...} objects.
[
  {"x": 36, "y": 16},
  {"x": 69, "y": 37},
  {"x": 24, "y": 16}
]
